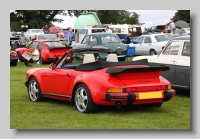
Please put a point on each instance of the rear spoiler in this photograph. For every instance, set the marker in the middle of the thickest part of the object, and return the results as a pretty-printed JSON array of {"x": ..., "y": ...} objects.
[
  {"x": 133, "y": 68},
  {"x": 53, "y": 47}
]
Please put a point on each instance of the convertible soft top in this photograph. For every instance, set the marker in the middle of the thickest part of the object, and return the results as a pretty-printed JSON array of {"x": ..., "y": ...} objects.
[{"x": 97, "y": 65}]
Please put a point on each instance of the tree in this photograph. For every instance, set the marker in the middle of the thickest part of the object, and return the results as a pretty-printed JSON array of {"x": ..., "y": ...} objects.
[
  {"x": 34, "y": 18},
  {"x": 182, "y": 15},
  {"x": 110, "y": 16}
]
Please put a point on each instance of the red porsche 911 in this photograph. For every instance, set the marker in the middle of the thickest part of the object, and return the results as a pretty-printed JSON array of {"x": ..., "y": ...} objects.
[
  {"x": 49, "y": 50},
  {"x": 90, "y": 77}
]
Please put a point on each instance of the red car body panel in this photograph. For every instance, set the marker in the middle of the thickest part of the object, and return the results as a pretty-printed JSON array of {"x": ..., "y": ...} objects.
[
  {"x": 48, "y": 55},
  {"x": 55, "y": 84}
]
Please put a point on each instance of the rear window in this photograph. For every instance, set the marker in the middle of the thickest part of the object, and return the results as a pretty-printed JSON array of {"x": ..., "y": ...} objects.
[
  {"x": 161, "y": 38},
  {"x": 106, "y": 39},
  {"x": 54, "y": 44},
  {"x": 83, "y": 31}
]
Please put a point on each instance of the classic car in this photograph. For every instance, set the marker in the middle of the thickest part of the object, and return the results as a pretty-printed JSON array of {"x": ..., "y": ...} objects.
[
  {"x": 150, "y": 44},
  {"x": 89, "y": 82},
  {"x": 14, "y": 42},
  {"x": 107, "y": 40},
  {"x": 30, "y": 33},
  {"x": 49, "y": 49},
  {"x": 176, "y": 54},
  {"x": 13, "y": 58},
  {"x": 158, "y": 28}
]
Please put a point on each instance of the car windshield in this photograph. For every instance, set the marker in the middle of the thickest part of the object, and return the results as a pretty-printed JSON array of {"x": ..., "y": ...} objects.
[
  {"x": 37, "y": 31},
  {"x": 161, "y": 38},
  {"x": 47, "y": 37},
  {"x": 54, "y": 44},
  {"x": 77, "y": 58},
  {"x": 109, "y": 39}
]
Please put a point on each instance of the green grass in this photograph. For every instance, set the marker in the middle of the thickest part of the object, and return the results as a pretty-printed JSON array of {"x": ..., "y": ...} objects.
[{"x": 52, "y": 114}]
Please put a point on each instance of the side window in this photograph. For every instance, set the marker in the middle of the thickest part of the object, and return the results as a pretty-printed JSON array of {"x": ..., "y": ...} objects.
[
  {"x": 147, "y": 39},
  {"x": 186, "y": 49},
  {"x": 172, "y": 48},
  {"x": 35, "y": 44},
  {"x": 86, "y": 40},
  {"x": 40, "y": 46},
  {"x": 93, "y": 40},
  {"x": 140, "y": 39}
]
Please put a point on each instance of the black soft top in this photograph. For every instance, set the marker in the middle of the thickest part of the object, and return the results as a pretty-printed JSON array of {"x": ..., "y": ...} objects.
[{"x": 97, "y": 65}]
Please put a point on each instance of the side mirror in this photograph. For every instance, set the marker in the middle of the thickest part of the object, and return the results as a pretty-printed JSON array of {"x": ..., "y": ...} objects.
[{"x": 51, "y": 66}]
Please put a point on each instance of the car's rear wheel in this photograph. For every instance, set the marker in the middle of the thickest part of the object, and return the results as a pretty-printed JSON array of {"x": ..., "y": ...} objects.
[
  {"x": 34, "y": 91},
  {"x": 19, "y": 56},
  {"x": 152, "y": 52},
  {"x": 83, "y": 100}
]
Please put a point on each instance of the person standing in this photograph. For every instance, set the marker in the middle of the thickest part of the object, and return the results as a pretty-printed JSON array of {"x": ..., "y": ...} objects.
[
  {"x": 108, "y": 30},
  {"x": 46, "y": 29},
  {"x": 172, "y": 26},
  {"x": 22, "y": 40},
  {"x": 72, "y": 36}
]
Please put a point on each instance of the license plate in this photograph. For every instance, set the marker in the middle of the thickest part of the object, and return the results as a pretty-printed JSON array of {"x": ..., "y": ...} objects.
[{"x": 150, "y": 95}]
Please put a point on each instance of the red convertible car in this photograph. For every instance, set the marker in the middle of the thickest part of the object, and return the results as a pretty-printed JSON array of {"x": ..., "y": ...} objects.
[
  {"x": 90, "y": 77},
  {"x": 49, "y": 50}
]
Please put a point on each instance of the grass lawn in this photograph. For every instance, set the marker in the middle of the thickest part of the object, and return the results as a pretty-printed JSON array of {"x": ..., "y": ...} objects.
[{"x": 52, "y": 114}]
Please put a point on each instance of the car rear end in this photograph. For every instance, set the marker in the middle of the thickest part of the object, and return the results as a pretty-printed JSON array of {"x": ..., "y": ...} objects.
[
  {"x": 141, "y": 85},
  {"x": 55, "y": 50}
]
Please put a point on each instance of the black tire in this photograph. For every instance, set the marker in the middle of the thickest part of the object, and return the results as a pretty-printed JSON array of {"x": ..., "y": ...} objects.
[
  {"x": 83, "y": 101},
  {"x": 153, "y": 52},
  {"x": 156, "y": 104},
  {"x": 19, "y": 57},
  {"x": 34, "y": 91}
]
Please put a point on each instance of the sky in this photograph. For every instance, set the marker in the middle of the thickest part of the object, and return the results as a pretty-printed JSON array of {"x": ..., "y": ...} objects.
[{"x": 149, "y": 17}]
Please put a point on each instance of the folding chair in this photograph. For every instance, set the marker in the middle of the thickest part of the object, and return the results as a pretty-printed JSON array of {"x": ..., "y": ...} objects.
[
  {"x": 130, "y": 53},
  {"x": 37, "y": 62}
]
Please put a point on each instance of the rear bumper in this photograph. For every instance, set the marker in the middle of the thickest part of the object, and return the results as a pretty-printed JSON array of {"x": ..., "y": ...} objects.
[{"x": 134, "y": 97}]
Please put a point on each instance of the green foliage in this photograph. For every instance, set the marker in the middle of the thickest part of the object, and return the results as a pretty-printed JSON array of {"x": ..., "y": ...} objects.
[
  {"x": 182, "y": 15},
  {"x": 34, "y": 18}
]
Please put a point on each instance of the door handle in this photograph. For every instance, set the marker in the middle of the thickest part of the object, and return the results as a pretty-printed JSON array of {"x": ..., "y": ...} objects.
[
  {"x": 68, "y": 75},
  {"x": 149, "y": 44},
  {"x": 173, "y": 61}
]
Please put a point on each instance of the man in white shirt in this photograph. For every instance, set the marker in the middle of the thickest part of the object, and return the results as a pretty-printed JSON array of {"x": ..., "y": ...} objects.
[
  {"x": 108, "y": 30},
  {"x": 35, "y": 55}
]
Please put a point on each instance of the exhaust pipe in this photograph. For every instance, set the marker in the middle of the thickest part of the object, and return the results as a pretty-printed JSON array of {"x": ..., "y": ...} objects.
[{"x": 118, "y": 104}]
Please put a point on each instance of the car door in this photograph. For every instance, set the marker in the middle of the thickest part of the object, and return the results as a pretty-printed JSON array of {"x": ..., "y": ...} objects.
[
  {"x": 138, "y": 45},
  {"x": 146, "y": 45},
  {"x": 183, "y": 66},
  {"x": 169, "y": 57},
  {"x": 56, "y": 81}
]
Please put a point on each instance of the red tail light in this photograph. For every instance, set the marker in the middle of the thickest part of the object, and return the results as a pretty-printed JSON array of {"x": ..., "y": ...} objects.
[{"x": 148, "y": 88}]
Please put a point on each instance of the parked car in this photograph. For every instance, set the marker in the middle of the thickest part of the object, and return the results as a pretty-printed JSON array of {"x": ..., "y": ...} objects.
[
  {"x": 49, "y": 50},
  {"x": 180, "y": 32},
  {"x": 158, "y": 28},
  {"x": 176, "y": 54},
  {"x": 14, "y": 42},
  {"x": 106, "y": 40},
  {"x": 13, "y": 58},
  {"x": 150, "y": 44},
  {"x": 89, "y": 82},
  {"x": 30, "y": 33}
]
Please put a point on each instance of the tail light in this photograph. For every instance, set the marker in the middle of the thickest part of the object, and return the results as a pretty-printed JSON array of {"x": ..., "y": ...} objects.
[{"x": 139, "y": 89}]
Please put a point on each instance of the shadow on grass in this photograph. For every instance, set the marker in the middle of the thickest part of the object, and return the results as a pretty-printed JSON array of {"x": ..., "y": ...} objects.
[
  {"x": 182, "y": 93},
  {"x": 113, "y": 109}
]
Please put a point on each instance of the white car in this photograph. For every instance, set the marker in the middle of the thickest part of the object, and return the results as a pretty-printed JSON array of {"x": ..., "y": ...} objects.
[
  {"x": 30, "y": 33},
  {"x": 150, "y": 44},
  {"x": 176, "y": 55}
]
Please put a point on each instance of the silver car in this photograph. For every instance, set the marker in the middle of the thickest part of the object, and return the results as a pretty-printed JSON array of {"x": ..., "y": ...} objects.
[{"x": 150, "y": 44}]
